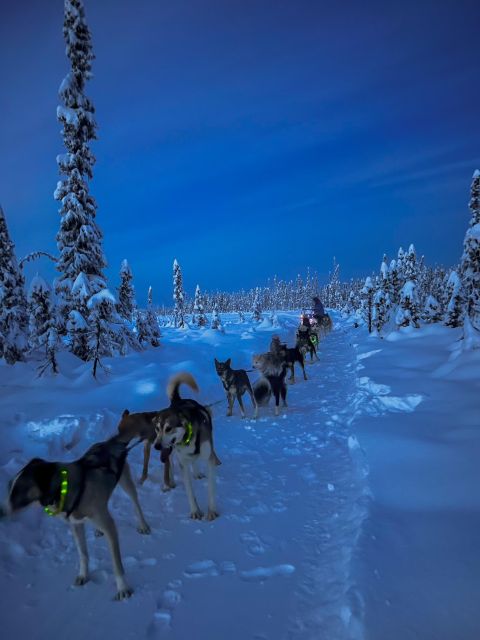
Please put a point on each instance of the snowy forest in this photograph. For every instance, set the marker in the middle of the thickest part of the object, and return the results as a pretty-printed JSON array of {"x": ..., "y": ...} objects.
[{"x": 351, "y": 512}]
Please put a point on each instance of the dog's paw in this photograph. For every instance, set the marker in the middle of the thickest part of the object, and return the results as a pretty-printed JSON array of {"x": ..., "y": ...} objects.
[
  {"x": 142, "y": 480},
  {"x": 124, "y": 594},
  {"x": 144, "y": 529},
  {"x": 199, "y": 476},
  {"x": 80, "y": 581},
  {"x": 168, "y": 487},
  {"x": 229, "y": 414},
  {"x": 211, "y": 515},
  {"x": 196, "y": 515},
  {"x": 98, "y": 533}
]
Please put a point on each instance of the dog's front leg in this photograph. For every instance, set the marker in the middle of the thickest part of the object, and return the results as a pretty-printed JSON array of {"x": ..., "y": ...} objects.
[
  {"x": 195, "y": 512},
  {"x": 106, "y": 523},
  {"x": 197, "y": 474},
  {"x": 147, "y": 446},
  {"x": 292, "y": 373},
  {"x": 231, "y": 400},
  {"x": 127, "y": 484},
  {"x": 168, "y": 479},
  {"x": 212, "y": 501},
  {"x": 78, "y": 531}
]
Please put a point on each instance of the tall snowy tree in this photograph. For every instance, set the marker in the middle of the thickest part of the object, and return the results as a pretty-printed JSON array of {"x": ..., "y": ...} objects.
[
  {"x": 455, "y": 304},
  {"x": 408, "y": 313},
  {"x": 41, "y": 314},
  {"x": 432, "y": 311},
  {"x": 77, "y": 321},
  {"x": 126, "y": 293},
  {"x": 42, "y": 324},
  {"x": 178, "y": 296},
  {"x": 380, "y": 309},
  {"x": 410, "y": 266},
  {"x": 470, "y": 264},
  {"x": 13, "y": 303},
  {"x": 256, "y": 307},
  {"x": 79, "y": 239},
  {"x": 104, "y": 334},
  {"x": 366, "y": 308},
  {"x": 198, "y": 309},
  {"x": 216, "y": 320}
]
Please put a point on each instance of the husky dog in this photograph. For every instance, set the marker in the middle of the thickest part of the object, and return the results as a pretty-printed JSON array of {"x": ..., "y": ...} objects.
[
  {"x": 290, "y": 355},
  {"x": 186, "y": 426},
  {"x": 78, "y": 491},
  {"x": 236, "y": 383},
  {"x": 305, "y": 343},
  {"x": 274, "y": 370},
  {"x": 141, "y": 424},
  {"x": 262, "y": 392},
  {"x": 326, "y": 324}
]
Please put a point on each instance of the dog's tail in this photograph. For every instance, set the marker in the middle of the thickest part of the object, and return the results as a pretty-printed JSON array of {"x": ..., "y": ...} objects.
[{"x": 175, "y": 382}]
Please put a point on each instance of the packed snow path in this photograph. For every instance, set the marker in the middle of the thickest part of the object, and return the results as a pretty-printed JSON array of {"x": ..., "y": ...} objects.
[{"x": 276, "y": 564}]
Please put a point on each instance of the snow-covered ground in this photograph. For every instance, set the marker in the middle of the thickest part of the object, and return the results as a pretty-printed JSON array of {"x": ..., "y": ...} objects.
[{"x": 355, "y": 514}]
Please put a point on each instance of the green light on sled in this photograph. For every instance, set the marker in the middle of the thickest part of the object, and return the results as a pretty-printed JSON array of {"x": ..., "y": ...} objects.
[{"x": 63, "y": 495}]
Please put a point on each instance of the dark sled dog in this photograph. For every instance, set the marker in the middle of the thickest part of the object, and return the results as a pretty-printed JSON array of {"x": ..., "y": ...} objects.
[
  {"x": 141, "y": 424},
  {"x": 274, "y": 370},
  {"x": 306, "y": 342},
  {"x": 80, "y": 491},
  {"x": 186, "y": 426},
  {"x": 290, "y": 355},
  {"x": 236, "y": 384}
]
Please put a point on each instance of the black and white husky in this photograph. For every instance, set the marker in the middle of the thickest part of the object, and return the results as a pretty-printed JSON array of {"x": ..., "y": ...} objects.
[
  {"x": 187, "y": 427},
  {"x": 79, "y": 491},
  {"x": 236, "y": 384},
  {"x": 274, "y": 369},
  {"x": 291, "y": 356}
]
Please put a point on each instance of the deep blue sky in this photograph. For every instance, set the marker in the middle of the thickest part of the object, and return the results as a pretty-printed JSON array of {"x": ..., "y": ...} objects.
[{"x": 250, "y": 137}]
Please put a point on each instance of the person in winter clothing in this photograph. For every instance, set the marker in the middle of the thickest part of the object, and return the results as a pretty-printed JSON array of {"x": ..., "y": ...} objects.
[{"x": 318, "y": 309}]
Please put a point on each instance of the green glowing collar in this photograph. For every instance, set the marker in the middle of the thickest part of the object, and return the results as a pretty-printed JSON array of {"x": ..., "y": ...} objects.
[
  {"x": 188, "y": 435},
  {"x": 63, "y": 495}
]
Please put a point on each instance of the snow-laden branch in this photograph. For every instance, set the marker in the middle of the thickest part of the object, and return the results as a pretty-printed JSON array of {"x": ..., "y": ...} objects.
[{"x": 34, "y": 256}]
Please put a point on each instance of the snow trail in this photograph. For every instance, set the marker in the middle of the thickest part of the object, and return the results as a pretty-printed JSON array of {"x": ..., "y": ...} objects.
[{"x": 292, "y": 496}]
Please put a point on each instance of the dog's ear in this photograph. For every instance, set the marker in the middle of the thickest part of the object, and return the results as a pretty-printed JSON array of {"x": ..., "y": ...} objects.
[
  {"x": 216, "y": 361},
  {"x": 228, "y": 362},
  {"x": 125, "y": 413}
]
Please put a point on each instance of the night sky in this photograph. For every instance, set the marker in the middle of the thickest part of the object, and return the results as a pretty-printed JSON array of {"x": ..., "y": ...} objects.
[{"x": 248, "y": 138}]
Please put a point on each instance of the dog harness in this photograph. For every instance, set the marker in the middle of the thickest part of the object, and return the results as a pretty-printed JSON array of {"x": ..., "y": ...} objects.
[
  {"x": 63, "y": 495},
  {"x": 188, "y": 435}
]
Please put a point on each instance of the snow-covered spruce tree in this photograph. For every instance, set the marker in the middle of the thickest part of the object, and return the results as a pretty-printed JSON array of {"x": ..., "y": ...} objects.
[
  {"x": 150, "y": 332},
  {"x": 126, "y": 293},
  {"x": 410, "y": 267},
  {"x": 104, "y": 339},
  {"x": 432, "y": 311},
  {"x": 178, "y": 296},
  {"x": 455, "y": 306},
  {"x": 393, "y": 283},
  {"x": 380, "y": 309},
  {"x": 470, "y": 263},
  {"x": 41, "y": 312},
  {"x": 198, "y": 309},
  {"x": 256, "y": 307},
  {"x": 408, "y": 314},
  {"x": 79, "y": 240},
  {"x": 216, "y": 320},
  {"x": 366, "y": 305},
  {"x": 77, "y": 321},
  {"x": 42, "y": 324},
  {"x": 13, "y": 303}
]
